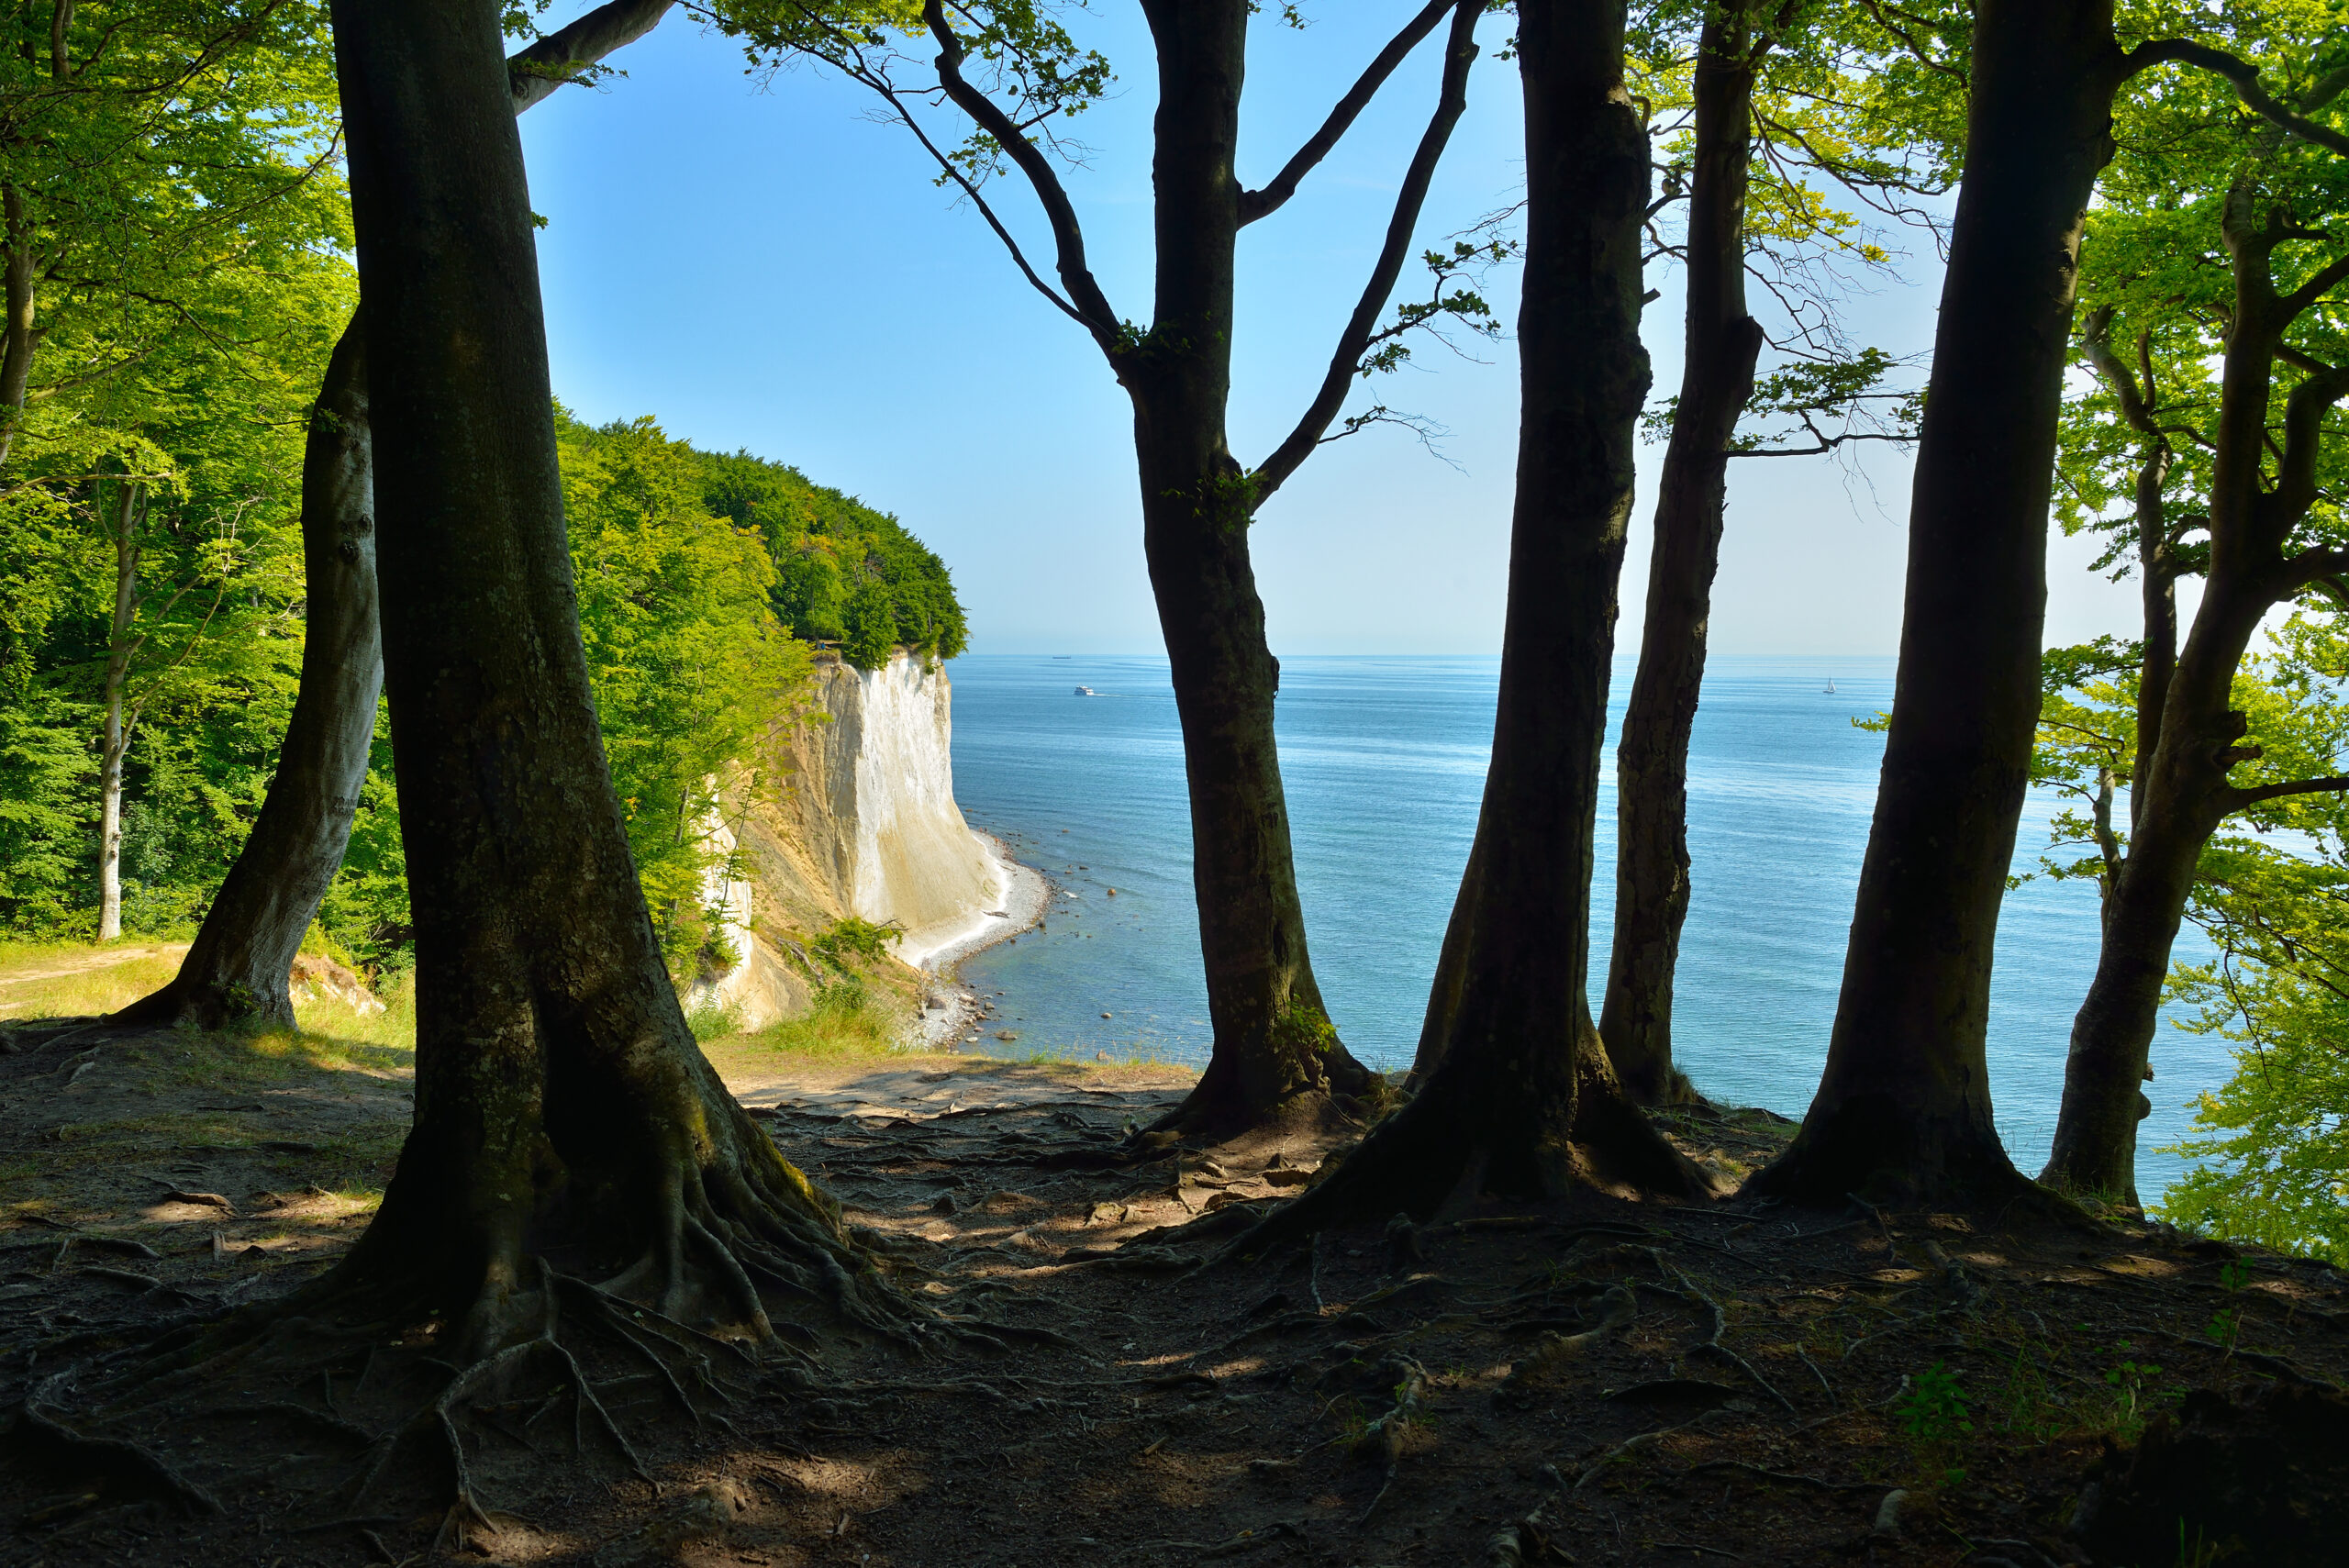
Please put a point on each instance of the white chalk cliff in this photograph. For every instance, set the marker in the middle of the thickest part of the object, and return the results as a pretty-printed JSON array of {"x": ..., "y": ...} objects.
[{"x": 864, "y": 823}]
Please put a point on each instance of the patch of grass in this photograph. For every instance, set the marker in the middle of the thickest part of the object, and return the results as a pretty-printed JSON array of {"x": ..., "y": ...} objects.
[
  {"x": 850, "y": 1019},
  {"x": 393, "y": 1029},
  {"x": 715, "y": 1023},
  {"x": 99, "y": 989}
]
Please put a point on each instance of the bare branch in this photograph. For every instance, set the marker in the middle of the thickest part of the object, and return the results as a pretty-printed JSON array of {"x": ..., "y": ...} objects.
[
  {"x": 2328, "y": 278},
  {"x": 1089, "y": 305},
  {"x": 1345, "y": 362},
  {"x": 2246, "y": 77},
  {"x": 532, "y": 75},
  {"x": 2096, "y": 339},
  {"x": 1254, "y": 204},
  {"x": 2242, "y": 797},
  {"x": 2304, "y": 411}
]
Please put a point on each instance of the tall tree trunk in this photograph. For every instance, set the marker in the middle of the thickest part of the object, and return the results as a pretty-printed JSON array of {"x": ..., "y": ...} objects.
[
  {"x": 2183, "y": 794},
  {"x": 114, "y": 738},
  {"x": 1518, "y": 1095},
  {"x": 238, "y": 966},
  {"x": 1651, "y": 886},
  {"x": 2157, "y": 598},
  {"x": 19, "y": 335},
  {"x": 560, "y": 1097},
  {"x": 1905, "y": 1101},
  {"x": 1275, "y": 1048}
]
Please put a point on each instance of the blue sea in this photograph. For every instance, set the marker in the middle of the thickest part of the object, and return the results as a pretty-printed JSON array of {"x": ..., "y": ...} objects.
[{"x": 1384, "y": 761}]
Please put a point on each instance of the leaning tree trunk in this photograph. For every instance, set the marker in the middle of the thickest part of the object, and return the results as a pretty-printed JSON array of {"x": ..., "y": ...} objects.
[
  {"x": 1905, "y": 1102},
  {"x": 237, "y": 968},
  {"x": 1651, "y": 762},
  {"x": 242, "y": 956},
  {"x": 1518, "y": 1095},
  {"x": 560, "y": 1097},
  {"x": 2183, "y": 798},
  {"x": 2183, "y": 795},
  {"x": 1276, "y": 1051}
]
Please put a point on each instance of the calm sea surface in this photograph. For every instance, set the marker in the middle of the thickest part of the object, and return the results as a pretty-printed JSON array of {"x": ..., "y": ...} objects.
[{"x": 1385, "y": 763}]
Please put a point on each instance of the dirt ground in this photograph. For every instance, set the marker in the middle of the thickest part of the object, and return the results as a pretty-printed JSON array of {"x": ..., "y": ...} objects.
[{"x": 1583, "y": 1382}]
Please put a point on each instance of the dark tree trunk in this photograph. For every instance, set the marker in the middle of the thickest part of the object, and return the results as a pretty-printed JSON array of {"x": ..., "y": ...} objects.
[
  {"x": 1273, "y": 1044},
  {"x": 238, "y": 965},
  {"x": 1517, "y": 1094},
  {"x": 559, "y": 1098},
  {"x": 2182, "y": 792},
  {"x": 1905, "y": 1102},
  {"x": 18, "y": 335},
  {"x": 1651, "y": 886}
]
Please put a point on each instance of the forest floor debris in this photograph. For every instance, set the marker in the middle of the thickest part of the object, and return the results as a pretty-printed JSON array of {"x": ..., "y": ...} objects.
[{"x": 1747, "y": 1383}]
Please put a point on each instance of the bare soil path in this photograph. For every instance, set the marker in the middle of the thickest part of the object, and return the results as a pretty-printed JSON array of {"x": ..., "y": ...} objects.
[{"x": 1586, "y": 1382}]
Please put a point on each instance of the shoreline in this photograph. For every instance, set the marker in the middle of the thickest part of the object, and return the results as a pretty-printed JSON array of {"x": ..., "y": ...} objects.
[{"x": 934, "y": 951}]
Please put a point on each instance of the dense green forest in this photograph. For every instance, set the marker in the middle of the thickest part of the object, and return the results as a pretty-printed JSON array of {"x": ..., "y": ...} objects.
[{"x": 694, "y": 572}]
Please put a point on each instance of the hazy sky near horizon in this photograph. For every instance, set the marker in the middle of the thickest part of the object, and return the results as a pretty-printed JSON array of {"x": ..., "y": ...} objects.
[{"x": 759, "y": 264}]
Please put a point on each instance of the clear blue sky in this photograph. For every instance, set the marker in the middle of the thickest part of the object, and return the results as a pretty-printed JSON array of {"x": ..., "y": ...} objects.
[{"x": 758, "y": 264}]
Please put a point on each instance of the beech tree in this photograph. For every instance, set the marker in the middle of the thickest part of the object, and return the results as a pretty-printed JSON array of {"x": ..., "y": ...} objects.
[
  {"x": 2251, "y": 521},
  {"x": 238, "y": 965},
  {"x": 553, "y": 1058},
  {"x": 1825, "y": 394},
  {"x": 1274, "y": 1049},
  {"x": 1516, "y": 1092},
  {"x": 1905, "y": 1100}
]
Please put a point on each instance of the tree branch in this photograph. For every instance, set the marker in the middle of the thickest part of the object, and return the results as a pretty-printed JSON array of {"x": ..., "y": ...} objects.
[
  {"x": 2304, "y": 412},
  {"x": 2253, "y": 796},
  {"x": 1345, "y": 362},
  {"x": 1254, "y": 204},
  {"x": 2097, "y": 340},
  {"x": 2246, "y": 77},
  {"x": 2328, "y": 278},
  {"x": 533, "y": 74},
  {"x": 1092, "y": 306}
]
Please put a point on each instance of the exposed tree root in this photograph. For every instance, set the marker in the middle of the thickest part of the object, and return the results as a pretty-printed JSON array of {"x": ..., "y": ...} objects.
[
  {"x": 1442, "y": 1149},
  {"x": 1385, "y": 1434},
  {"x": 1715, "y": 1321},
  {"x": 114, "y": 1456},
  {"x": 1618, "y": 1308}
]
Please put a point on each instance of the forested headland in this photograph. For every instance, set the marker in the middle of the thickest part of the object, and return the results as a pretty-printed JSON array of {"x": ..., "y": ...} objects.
[{"x": 153, "y": 544}]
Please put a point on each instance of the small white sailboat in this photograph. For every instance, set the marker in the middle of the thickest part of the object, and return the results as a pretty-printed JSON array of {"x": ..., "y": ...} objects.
[{"x": 1830, "y": 685}]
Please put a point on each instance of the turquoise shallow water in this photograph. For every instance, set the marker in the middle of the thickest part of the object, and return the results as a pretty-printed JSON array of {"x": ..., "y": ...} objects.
[{"x": 1385, "y": 763}]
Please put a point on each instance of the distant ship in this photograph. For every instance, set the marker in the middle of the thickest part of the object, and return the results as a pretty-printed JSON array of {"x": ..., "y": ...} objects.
[
  {"x": 1063, "y": 655},
  {"x": 1830, "y": 685},
  {"x": 1086, "y": 691}
]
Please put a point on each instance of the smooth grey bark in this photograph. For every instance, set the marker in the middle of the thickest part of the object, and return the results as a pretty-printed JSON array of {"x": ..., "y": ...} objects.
[
  {"x": 1652, "y": 867},
  {"x": 237, "y": 967},
  {"x": 116, "y": 726},
  {"x": 1517, "y": 1094}
]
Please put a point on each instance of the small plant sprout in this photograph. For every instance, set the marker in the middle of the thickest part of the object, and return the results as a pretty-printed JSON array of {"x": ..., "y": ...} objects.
[{"x": 1934, "y": 1413}]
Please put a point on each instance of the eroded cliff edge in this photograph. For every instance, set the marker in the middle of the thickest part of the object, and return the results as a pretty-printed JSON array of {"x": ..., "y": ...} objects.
[{"x": 857, "y": 818}]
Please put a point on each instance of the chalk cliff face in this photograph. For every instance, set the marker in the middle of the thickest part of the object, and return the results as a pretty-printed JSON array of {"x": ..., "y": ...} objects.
[
  {"x": 877, "y": 799},
  {"x": 864, "y": 823}
]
